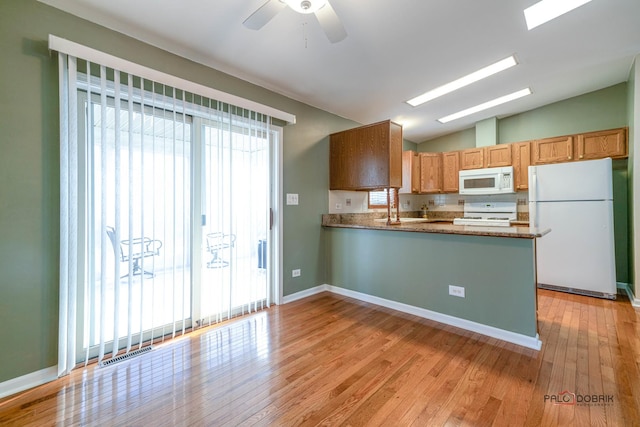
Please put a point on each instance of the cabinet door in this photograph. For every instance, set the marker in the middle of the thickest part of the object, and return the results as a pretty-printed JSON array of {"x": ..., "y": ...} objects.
[
  {"x": 521, "y": 162},
  {"x": 498, "y": 155},
  {"x": 553, "y": 150},
  {"x": 450, "y": 169},
  {"x": 430, "y": 172},
  {"x": 598, "y": 145},
  {"x": 472, "y": 158},
  {"x": 340, "y": 155},
  {"x": 394, "y": 154},
  {"x": 407, "y": 172},
  {"x": 372, "y": 162},
  {"x": 415, "y": 173}
]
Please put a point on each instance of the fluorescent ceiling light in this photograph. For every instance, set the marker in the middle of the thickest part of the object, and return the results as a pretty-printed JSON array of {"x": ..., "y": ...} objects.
[
  {"x": 546, "y": 10},
  {"x": 486, "y": 105},
  {"x": 464, "y": 81}
]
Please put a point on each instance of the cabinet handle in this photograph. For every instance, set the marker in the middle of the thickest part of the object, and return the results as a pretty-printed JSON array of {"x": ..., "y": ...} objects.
[
  {"x": 569, "y": 157},
  {"x": 581, "y": 156}
]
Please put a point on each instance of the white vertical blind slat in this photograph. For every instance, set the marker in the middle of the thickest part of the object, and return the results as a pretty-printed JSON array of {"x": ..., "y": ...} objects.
[
  {"x": 174, "y": 207},
  {"x": 90, "y": 319},
  {"x": 117, "y": 208},
  {"x": 141, "y": 306},
  {"x": 103, "y": 203},
  {"x": 73, "y": 207},
  {"x": 131, "y": 142},
  {"x": 65, "y": 345},
  {"x": 153, "y": 195}
]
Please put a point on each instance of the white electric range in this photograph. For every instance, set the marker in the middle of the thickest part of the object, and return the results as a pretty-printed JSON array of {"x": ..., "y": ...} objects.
[{"x": 488, "y": 214}]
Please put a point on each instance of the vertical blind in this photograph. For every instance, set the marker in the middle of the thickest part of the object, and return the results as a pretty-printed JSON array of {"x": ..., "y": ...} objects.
[{"x": 133, "y": 178}]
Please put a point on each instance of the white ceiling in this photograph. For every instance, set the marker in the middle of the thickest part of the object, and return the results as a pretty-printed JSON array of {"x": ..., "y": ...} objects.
[{"x": 395, "y": 50}]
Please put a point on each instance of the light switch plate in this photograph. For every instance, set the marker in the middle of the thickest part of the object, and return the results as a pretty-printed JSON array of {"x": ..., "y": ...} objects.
[{"x": 292, "y": 199}]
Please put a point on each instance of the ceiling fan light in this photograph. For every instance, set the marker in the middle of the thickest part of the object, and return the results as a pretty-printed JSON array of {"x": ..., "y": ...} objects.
[{"x": 305, "y": 6}]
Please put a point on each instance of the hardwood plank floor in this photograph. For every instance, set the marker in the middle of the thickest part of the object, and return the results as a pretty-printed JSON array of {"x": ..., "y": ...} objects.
[{"x": 332, "y": 360}]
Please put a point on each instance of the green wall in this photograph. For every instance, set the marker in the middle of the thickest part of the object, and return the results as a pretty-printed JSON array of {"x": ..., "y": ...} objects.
[
  {"x": 453, "y": 141},
  {"x": 29, "y": 172},
  {"x": 599, "y": 110}
]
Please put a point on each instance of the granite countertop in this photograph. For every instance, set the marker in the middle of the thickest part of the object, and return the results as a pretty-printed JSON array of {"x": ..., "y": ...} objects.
[{"x": 433, "y": 225}]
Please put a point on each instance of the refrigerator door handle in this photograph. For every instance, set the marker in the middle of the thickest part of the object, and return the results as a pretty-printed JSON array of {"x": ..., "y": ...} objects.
[
  {"x": 534, "y": 184},
  {"x": 533, "y": 196}
]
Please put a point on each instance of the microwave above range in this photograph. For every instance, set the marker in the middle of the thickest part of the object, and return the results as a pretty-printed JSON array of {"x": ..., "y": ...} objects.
[{"x": 487, "y": 181}]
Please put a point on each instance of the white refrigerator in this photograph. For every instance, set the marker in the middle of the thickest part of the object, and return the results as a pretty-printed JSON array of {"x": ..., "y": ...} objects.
[{"x": 574, "y": 200}]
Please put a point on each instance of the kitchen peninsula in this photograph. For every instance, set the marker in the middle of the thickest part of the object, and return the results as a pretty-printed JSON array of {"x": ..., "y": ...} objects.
[{"x": 411, "y": 266}]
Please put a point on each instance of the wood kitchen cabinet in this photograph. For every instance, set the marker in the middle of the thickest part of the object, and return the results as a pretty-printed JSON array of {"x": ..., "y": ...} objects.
[
  {"x": 450, "y": 169},
  {"x": 410, "y": 173},
  {"x": 521, "y": 154},
  {"x": 597, "y": 145},
  {"x": 472, "y": 158},
  {"x": 552, "y": 150},
  {"x": 498, "y": 155},
  {"x": 430, "y": 172},
  {"x": 366, "y": 158}
]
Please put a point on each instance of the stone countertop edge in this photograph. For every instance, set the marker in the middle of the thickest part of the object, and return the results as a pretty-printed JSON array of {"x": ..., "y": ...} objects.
[{"x": 443, "y": 228}]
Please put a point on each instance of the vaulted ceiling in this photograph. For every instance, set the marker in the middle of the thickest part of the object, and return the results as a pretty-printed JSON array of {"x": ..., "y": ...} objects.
[{"x": 395, "y": 50}]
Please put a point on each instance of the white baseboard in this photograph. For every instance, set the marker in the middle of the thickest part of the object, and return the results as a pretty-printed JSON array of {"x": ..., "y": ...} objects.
[
  {"x": 303, "y": 294},
  {"x": 625, "y": 286},
  {"x": 25, "y": 382},
  {"x": 501, "y": 334}
]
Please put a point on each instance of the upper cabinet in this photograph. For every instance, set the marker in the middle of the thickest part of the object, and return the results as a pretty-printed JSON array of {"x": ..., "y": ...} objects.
[
  {"x": 498, "y": 155},
  {"x": 366, "y": 158},
  {"x": 430, "y": 172},
  {"x": 472, "y": 158},
  {"x": 371, "y": 157},
  {"x": 596, "y": 145},
  {"x": 410, "y": 172},
  {"x": 552, "y": 150},
  {"x": 450, "y": 169},
  {"x": 521, "y": 154}
]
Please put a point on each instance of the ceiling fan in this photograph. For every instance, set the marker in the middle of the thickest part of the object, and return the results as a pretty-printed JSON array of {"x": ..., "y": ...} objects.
[{"x": 327, "y": 17}]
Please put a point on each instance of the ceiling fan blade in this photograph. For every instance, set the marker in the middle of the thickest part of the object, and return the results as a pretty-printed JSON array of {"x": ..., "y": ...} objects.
[
  {"x": 264, "y": 14},
  {"x": 331, "y": 24}
]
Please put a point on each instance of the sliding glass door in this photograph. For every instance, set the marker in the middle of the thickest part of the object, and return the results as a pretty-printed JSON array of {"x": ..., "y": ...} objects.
[
  {"x": 236, "y": 220},
  {"x": 177, "y": 218}
]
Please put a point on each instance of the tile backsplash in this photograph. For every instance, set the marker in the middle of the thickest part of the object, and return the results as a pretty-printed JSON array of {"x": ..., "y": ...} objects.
[{"x": 357, "y": 202}]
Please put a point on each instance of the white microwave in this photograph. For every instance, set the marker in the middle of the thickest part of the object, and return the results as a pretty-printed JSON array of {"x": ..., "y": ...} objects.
[{"x": 487, "y": 181}]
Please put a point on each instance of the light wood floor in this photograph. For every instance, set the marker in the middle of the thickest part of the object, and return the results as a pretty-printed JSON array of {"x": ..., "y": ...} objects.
[{"x": 332, "y": 360}]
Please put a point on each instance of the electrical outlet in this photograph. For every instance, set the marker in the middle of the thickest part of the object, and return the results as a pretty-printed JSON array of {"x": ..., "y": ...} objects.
[
  {"x": 348, "y": 202},
  {"x": 292, "y": 198},
  {"x": 295, "y": 273},
  {"x": 456, "y": 291}
]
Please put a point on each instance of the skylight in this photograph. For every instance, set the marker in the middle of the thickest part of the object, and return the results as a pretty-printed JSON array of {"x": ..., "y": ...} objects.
[
  {"x": 546, "y": 10},
  {"x": 464, "y": 81},
  {"x": 486, "y": 105}
]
